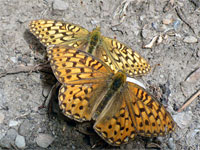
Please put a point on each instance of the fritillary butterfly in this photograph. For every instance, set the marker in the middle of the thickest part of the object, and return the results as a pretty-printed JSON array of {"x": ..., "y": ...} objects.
[
  {"x": 115, "y": 54},
  {"x": 91, "y": 90}
]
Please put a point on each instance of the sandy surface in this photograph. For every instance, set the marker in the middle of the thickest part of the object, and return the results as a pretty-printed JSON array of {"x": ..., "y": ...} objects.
[{"x": 173, "y": 57}]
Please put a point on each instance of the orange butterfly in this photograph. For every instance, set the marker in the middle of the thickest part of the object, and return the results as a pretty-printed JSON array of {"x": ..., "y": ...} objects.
[
  {"x": 115, "y": 54},
  {"x": 91, "y": 90}
]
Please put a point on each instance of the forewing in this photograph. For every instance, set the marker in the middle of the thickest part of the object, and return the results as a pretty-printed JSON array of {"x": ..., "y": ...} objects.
[
  {"x": 51, "y": 32},
  {"x": 72, "y": 66},
  {"x": 120, "y": 57},
  {"x": 114, "y": 124},
  {"x": 149, "y": 117}
]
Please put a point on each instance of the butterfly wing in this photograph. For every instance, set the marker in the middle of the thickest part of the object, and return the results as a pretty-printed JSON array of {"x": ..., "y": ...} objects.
[
  {"x": 80, "y": 101},
  {"x": 114, "y": 124},
  {"x": 51, "y": 32},
  {"x": 120, "y": 57},
  {"x": 149, "y": 117},
  {"x": 131, "y": 112},
  {"x": 84, "y": 81},
  {"x": 72, "y": 66}
]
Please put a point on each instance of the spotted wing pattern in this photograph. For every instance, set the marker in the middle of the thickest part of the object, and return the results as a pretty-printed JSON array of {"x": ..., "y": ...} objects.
[
  {"x": 114, "y": 124},
  {"x": 150, "y": 118},
  {"x": 51, "y": 32},
  {"x": 73, "y": 66},
  {"x": 136, "y": 113},
  {"x": 119, "y": 57}
]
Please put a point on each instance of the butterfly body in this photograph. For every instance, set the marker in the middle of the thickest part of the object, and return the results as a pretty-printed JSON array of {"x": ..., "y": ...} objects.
[
  {"x": 114, "y": 53},
  {"x": 114, "y": 87}
]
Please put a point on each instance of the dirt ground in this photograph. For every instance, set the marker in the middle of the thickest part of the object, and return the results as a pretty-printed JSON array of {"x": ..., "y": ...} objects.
[{"x": 175, "y": 54}]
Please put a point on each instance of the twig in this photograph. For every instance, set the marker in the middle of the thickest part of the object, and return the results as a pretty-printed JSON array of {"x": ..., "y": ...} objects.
[
  {"x": 26, "y": 69},
  {"x": 182, "y": 90},
  {"x": 189, "y": 101},
  {"x": 182, "y": 18}
]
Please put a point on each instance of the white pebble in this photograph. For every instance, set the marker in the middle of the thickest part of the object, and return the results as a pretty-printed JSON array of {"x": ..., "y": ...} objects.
[
  {"x": 13, "y": 59},
  {"x": 20, "y": 142},
  {"x": 44, "y": 140},
  {"x": 60, "y": 5},
  {"x": 190, "y": 39},
  {"x": 183, "y": 119},
  {"x": 13, "y": 123}
]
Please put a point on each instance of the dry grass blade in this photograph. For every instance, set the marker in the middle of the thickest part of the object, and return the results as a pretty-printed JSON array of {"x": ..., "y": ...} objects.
[
  {"x": 26, "y": 69},
  {"x": 190, "y": 101}
]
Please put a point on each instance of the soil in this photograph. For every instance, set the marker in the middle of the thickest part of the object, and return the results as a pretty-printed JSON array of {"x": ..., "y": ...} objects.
[{"x": 173, "y": 57}]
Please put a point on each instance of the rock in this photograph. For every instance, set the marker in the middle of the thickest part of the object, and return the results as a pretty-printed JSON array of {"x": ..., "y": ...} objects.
[
  {"x": 44, "y": 140},
  {"x": 13, "y": 123},
  {"x": 8, "y": 139},
  {"x": 13, "y": 59},
  {"x": 167, "y": 21},
  {"x": 20, "y": 142},
  {"x": 2, "y": 116},
  {"x": 25, "y": 128},
  {"x": 191, "y": 135},
  {"x": 172, "y": 144},
  {"x": 60, "y": 5},
  {"x": 190, "y": 39},
  {"x": 181, "y": 120}
]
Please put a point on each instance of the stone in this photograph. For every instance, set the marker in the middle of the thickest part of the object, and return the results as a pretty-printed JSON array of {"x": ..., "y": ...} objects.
[
  {"x": 25, "y": 128},
  {"x": 181, "y": 120},
  {"x": 190, "y": 39},
  {"x": 13, "y": 59},
  {"x": 44, "y": 140},
  {"x": 13, "y": 123},
  {"x": 172, "y": 144},
  {"x": 20, "y": 142},
  {"x": 60, "y": 5},
  {"x": 8, "y": 139}
]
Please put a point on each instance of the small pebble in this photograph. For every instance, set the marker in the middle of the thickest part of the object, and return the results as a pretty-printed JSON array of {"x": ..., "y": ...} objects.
[
  {"x": 60, "y": 5},
  {"x": 161, "y": 76},
  {"x": 171, "y": 144},
  {"x": 2, "y": 116},
  {"x": 13, "y": 123},
  {"x": 190, "y": 39},
  {"x": 73, "y": 147},
  {"x": 44, "y": 140},
  {"x": 13, "y": 59},
  {"x": 8, "y": 139},
  {"x": 181, "y": 120},
  {"x": 167, "y": 21},
  {"x": 20, "y": 142},
  {"x": 25, "y": 128},
  {"x": 191, "y": 136}
]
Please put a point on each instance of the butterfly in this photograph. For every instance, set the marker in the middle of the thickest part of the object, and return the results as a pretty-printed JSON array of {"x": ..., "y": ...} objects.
[
  {"x": 115, "y": 54},
  {"x": 91, "y": 90}
]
